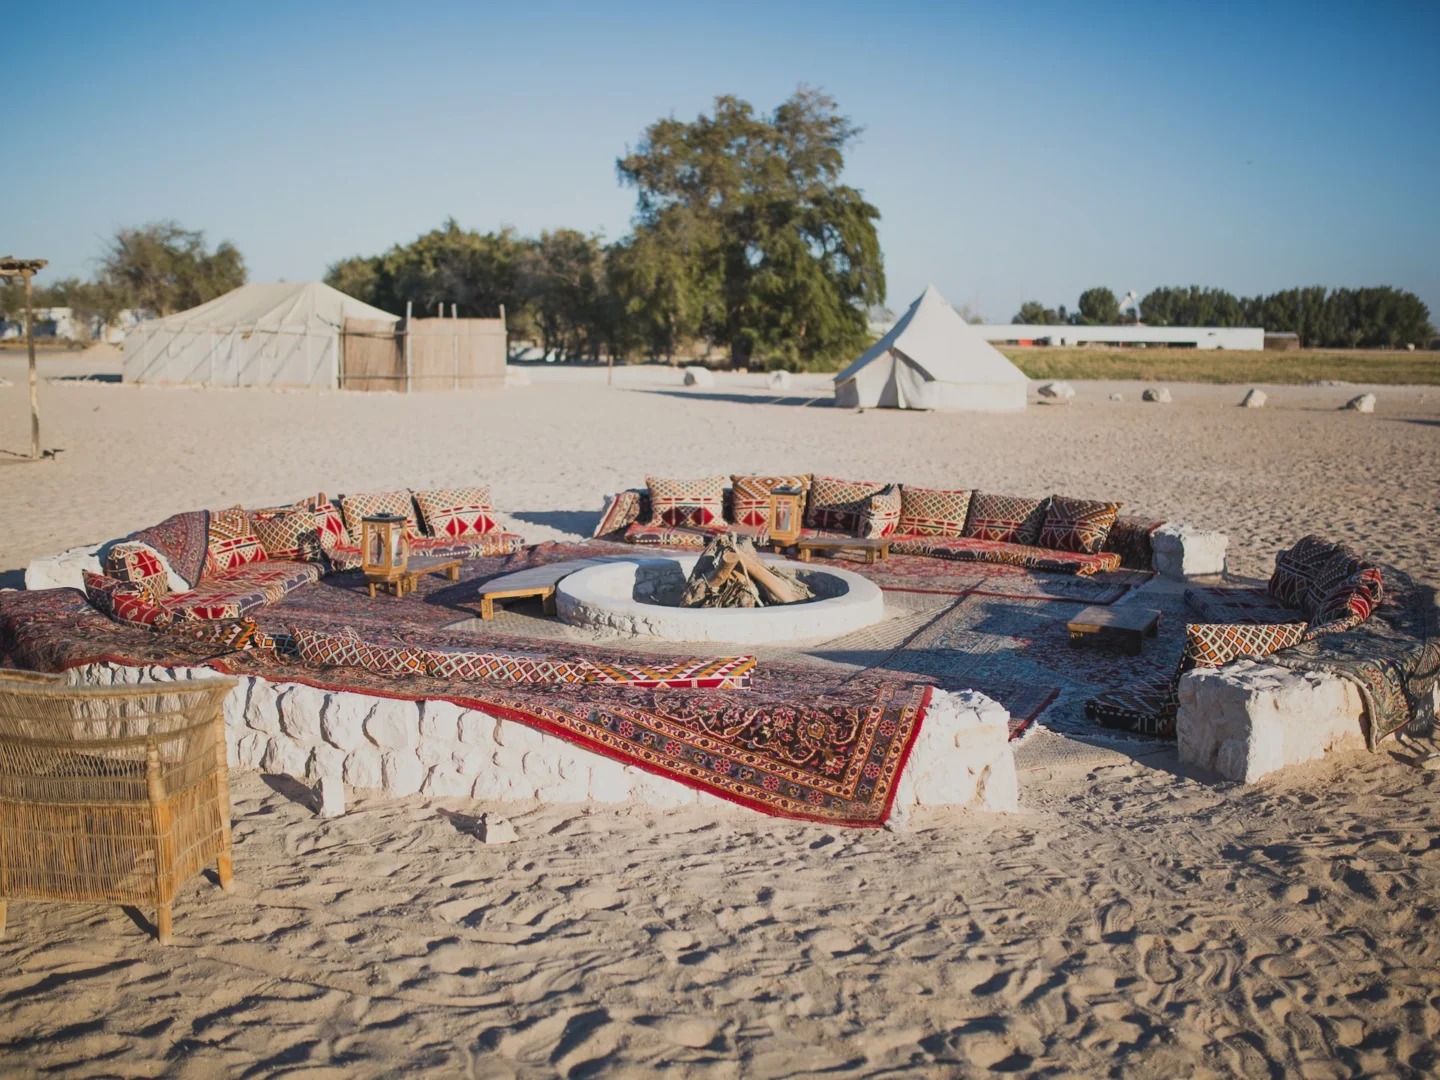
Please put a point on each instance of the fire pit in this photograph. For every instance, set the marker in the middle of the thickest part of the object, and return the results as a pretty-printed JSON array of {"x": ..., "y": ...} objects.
[{"x": 642, "y": 597}]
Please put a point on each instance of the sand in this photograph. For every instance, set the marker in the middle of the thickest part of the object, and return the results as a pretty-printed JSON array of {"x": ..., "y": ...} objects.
[{"x": 1131, "y": 920}]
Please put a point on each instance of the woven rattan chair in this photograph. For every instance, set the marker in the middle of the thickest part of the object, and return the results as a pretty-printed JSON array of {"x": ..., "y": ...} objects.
[{"x": 115, "y": 794}]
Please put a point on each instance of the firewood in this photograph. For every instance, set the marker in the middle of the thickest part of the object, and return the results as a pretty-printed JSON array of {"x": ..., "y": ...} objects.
[{"x": 730, "y": 574}]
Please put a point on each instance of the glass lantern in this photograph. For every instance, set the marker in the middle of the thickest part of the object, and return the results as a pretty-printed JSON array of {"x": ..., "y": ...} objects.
[
  {"x": 384, "y": 547},
  {"x": 785, "y": 515}
]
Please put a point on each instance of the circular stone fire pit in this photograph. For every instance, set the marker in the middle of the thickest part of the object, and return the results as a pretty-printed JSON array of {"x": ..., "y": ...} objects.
[{"x": 642, "y": 597}]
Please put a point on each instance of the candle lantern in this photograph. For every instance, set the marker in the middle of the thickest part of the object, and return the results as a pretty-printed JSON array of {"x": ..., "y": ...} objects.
[
  {"x": 785, "y": 515},
  {"x": 384, "y": 548}
]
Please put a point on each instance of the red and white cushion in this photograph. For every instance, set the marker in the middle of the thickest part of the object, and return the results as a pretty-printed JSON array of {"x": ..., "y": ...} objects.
[
  {"x": 289, "y": 535},
  {"x": 345, "y": 648},
  {"x": 371, "y": 504},
  {"x": 125, "y": 602},
  {"x": 687, "y": 503},
  {"x": 752, "y": 496},
  {"x": 1077, "y": 525},
  {"x": 839, "y": 504},
  {"x": 232, "y": 542},
  {"x": 933, "y": 511},
  {"x": 139, "y": 564},
  {"x": 457, "y": 512},
  {"x": 882, "y": 514},
  {"x": 1007, "y": 519}
]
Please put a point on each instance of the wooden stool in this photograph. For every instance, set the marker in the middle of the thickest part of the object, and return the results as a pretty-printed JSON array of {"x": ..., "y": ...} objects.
[{"x": 1128, "y": 624}]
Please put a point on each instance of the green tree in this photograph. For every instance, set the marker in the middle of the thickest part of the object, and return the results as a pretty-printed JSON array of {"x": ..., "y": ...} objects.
[
  {"x": 780, "y": 260},
  {"x": 163, "y": 268},
  {"x": 1035, "y": 313},
  {"x": 1098, "y": 307}
]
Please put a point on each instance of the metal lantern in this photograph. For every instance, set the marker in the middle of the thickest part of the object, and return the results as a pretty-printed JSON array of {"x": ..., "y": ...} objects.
[
  {"x": 785, "y": 515},
  {"x": 384, "y": 547}
]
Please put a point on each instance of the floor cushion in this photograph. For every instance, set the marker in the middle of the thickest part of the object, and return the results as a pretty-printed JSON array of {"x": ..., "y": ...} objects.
[
  {"x": 371, "y": 504},
  {"x": 124, "y": 601},
  {"x": 1349, "y": 603},
  {"x": 1216, "y": 644},
  {"x": 139, "y": 564},
  {"x": 882, "y": 514},
  {"x": 694, "y": 503},
  {"x": 241, "y": 591},
  {"x": 673, "y": 536},
  {"x": 289, "y": 534},
  {"x": 232, "y": 543},
  {"x": 457, "y": 512},
  {"x": 839, "y": 504},
  {"x": 752, "y": 497},
  {"x": 973, "y": 549},
  {"x": 184, "y": 541},
  {"x": 622, "y": 510},
  {"x": 933, "y": 511},
  {"x": 1077, "y": 524},
  {"x": 345, "y": 648},
  {"x": 1005, "y": 519},
  {"x": 1146, "y": 707},
  {"x": 1218, "y": 605}
]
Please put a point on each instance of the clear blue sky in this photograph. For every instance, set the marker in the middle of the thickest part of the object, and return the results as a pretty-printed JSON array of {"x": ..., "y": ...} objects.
[{"x": 1014, "y": 150}]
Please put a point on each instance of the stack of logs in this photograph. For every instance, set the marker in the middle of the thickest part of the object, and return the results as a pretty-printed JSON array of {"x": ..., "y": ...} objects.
[{"x": 730, "y": 574}]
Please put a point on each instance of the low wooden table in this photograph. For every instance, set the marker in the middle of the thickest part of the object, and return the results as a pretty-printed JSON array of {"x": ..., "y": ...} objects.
[
  {"x": 405, "y": 581},
  {"x": 538, "y": 581},
  {"x": 1129, "y": 624},
  {"x": 873, "y": 550}
]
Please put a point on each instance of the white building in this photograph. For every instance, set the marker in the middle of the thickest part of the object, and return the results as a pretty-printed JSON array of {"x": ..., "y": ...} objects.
[{"x": 1248, "y": 338}]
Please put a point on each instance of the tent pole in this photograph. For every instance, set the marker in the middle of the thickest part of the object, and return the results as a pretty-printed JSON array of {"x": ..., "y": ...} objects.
[
  {"x": 409, "y": 309},
  {"x": 34, "y": 378}
]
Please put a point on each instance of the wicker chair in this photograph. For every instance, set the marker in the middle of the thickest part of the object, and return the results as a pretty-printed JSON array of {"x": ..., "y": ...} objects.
[{"x": 115, "y": 794}]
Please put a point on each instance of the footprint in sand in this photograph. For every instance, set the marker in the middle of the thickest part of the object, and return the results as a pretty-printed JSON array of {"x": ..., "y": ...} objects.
[
  {"x": 834, "y": 942},
  {"x": 599, "y": 899},
  {"x": 675, "y": 941},
  {"x": 696, "y": 1033}
]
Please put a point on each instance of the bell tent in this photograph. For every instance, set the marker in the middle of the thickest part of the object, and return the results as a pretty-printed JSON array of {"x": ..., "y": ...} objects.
[
  {"x": 284, "y": 334},
  {"x": 932, "y": 359}
]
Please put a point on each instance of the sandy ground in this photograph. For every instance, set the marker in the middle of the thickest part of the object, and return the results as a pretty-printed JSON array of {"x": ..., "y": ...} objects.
[{"x": 1131, "y": 920}]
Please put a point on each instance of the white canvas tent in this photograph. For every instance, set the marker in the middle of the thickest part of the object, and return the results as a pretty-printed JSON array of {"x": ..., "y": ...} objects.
[
  {"x": 285, "y": 334},
  {"x": 932, "y": 359}
]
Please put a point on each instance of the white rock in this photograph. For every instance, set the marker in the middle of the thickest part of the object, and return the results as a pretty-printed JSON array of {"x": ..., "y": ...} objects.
[
  {"x": 286, "y": 757},
  {"x": 779, "y": 380},
  {"x": 962, "y": 756},
  {"x": 442, "y": 783},
  {"x": 326, "y": 761},
  {"x": 477, "y": 729},
  {"x": 497, "y": 830},
  {"x": 342, "y": 721},
  {"x": 1365, "y": 403},
  {"x": 250, "y": 749},
  {"x": 1248, "y": 719},
  {"x": 1117, "y": 396},
  {"x": 262, "y": 708},
  {"x": 609, "y": 782},
  {"x": 362, "y": 767},
  {"x": 400, "y": 772},
  {"x": 1180, "y": 552},
  {"x": 394, "y": 724},
  {"x": 440, "y": 721},
  {"x": 235, "y": 701},
  {"x": 1062, "y": 391},
  {"x": 699, "y": 376},
  {"x": 1255, "y": 399},
  {"x": 1161, "y": 395},
  {"x": 300, "y": 708},
  {"x": 330, "y": 795}
]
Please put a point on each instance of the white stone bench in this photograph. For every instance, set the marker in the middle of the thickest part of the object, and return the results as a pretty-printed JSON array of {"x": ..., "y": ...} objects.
[
  {"x": 962, "y": 756},
  {"x": 1180, "y": 552}
]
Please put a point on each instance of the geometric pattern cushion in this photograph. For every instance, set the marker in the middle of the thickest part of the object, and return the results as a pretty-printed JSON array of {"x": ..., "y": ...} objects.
[
  {"x": 124, "y": 602},
  {"x": 183, "y": 540},
  {"x": 882, "y": 514},
  {"x": 457, "y": 512},
  {"x": 933, "y": 512},
  {"x": 1348, "y": 604},
  {"x": 687, "y": 503},
  {"x": 330, "y": 524},
  {"x": 1008, "y": 519},
  {"x": 233, "y": 542},
  {"x": 672, "y": 536},
  {"x": 1216, "y": 644},
  {"x": 1077, "y": 525},
  {"x": 839, "y": 504},
  {"x": 290, "y": 534},
  {"x": 345, "y": 648},
  {"x": 370, "y": 504},
  {"x": 972, "y": 549},
  {"x": 1146, "y": 707},
  {"x": 506, "y": 667},
  {"x": 621, "y": 511},
  {"x": 720, "y": 673},
  {"x": 1298, "y": 571},
  {"x": 752, "y": 496},
  {"x": 226, "y": 634},
  {"x": 241, "y": 591},
  {"x": 1248, "y": 606},
  {"x": 138, "y": 564}
]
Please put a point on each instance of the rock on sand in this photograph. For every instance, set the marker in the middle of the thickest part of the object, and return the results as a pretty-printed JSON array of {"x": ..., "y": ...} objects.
[
  {"x": 1364, "y": 403},
  {"x": 1161, "y": 395},
  {"x": 778, "y": 380},
  {"x": 699, "y": 376},
  {"x": 1255, "y": 399},
  {"x": 1057, "y": 391}
]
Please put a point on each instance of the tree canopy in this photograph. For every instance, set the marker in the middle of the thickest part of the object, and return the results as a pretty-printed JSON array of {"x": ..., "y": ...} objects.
[{"x": 163, "y": 268}]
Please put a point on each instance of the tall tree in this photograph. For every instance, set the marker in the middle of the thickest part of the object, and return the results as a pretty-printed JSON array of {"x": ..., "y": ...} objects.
[
  {"x": 163, "y": 268},
  {"x": 1098, "y": 307},
  {"x": 782, "y": 259}
]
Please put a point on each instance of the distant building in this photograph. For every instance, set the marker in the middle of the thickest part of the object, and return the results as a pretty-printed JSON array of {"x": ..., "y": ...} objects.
[
  {"x": 1176, "y": 337},
  {"x": 1282, "y": 341}
]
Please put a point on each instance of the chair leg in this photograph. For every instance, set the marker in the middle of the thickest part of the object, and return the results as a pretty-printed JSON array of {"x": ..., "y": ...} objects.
[
  {"x": 163, "y": 924},
  {"x": 225, "y": 867}
]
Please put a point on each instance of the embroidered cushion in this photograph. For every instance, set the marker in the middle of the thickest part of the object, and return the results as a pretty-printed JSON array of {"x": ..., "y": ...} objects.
[
  {"x": 183, "y": 539},
  {"x": 1216, "y": 644},
  {"x": 688, "y": 503},
  {"x": 233, "y": 542},
  {"x": 345, "y": 648},
  {"x": 1077, "y": 525},
  {"x": 507, "y": 667},
  {"x": 290, "y": 535},
  {"x": 223, "y": 634},
  {"x": 1006, "y": 518},
  {"x": 138, "y": 564},
  {"x": 329, "y": 525},
  {"x": 457, "y": 512},
  {"x": 752, "y": 496},
  {"x": 370, "y": 504},
  {"x": 882, "y": 514},
  {"x": 933, "y": 512},
  {"x": 1298, "y": 570},
  {"x": 124, "y": 602},
  {"x": 839, "y": 504},
  {"x": 1349, "y": 603},
  {"x": 621, "y": 511}
]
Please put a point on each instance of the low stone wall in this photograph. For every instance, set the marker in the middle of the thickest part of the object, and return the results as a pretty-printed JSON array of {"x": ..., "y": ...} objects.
[
  {"x": 1180, "y": 552},
  {"x": 1248, "y": 719},
  {"x": 962, "y": 756}
]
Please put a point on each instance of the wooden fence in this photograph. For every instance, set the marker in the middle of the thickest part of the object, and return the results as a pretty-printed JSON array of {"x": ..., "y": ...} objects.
[{"x": 423, "y": 354}]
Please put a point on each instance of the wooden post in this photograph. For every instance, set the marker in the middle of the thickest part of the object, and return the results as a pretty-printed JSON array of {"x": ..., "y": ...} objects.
[
  {"x": 454, "y": 344},
  {"x": 34, "y": 378},
  {"x": 409, "y": 311},
  {"x": 224, "y": 864},
  {"x": 164, "y": 842}
]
